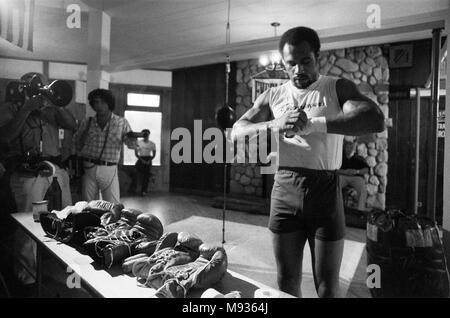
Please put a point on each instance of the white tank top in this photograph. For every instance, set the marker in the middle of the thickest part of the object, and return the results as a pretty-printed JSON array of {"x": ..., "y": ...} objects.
[{"x": 319, "y": 151}]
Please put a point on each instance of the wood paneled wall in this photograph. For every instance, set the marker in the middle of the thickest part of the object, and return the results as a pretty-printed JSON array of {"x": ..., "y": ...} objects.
[{"x": 197, "y": 93}]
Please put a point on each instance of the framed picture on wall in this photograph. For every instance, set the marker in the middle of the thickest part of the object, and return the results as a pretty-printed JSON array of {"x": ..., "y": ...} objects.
[{"x": 401, "y": 56}]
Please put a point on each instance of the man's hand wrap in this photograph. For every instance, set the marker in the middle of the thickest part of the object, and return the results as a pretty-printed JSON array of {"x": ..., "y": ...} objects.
[{"x": 315, "y": 124}]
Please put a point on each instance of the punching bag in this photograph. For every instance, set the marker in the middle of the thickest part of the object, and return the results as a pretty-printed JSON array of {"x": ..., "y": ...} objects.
[{"x": 225, "y": 117}]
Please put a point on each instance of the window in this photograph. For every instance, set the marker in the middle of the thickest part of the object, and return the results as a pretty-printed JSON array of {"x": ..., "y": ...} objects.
[
  {"x": 143, "y": 112},
  {"x": 140, "y": 120},
  {"x": 143, "y": 100}
]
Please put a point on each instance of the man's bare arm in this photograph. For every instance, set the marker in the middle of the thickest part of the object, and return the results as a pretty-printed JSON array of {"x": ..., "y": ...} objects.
[
  {"x": 153, "y": 153},
  {"x": 254, "y": 120},
  {"x": 259, "y": 118},
  {"x": 360, "y": 114},
  {"x": 65, "y": 119},
  {"x": 59, "y": 117},
  {"x": 12, "y": 129}
]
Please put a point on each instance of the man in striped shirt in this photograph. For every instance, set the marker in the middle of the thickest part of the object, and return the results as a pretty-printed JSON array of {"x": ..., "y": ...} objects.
[{"x": 99, "y": 141}]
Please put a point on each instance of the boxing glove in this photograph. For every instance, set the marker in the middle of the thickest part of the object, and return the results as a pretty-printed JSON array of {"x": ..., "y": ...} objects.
[
  {"x": 184, "y": 251},
  {"x": 146, "y": 248},
  {"x": 99, "y": 206},
  {"x": 127, "y": 264},
  {"x": 149, "y": 226},
  {"x": 143, "y": 235},
  {"x": 171, "y": 288},
  {"x": 215, "y": 261},
  {"x": 128, "y": 218},
  {"x": 188, "y": 243},
  {"x": 69, "y": 230},
  {"x": 80, "y": 206},
  {"x": 168, "y": 239},
  {"x": 114, "y": 254},
  {"x": 108, "y": 219},
  {"x": 149, "y": 247},
  {"x": 107, "y": 250},
  {"x": 157, "y": 262},
  {"x": 204, "y": 272},
  {"x": 113, "y": 243},
  {"x": 77, "y": 208},
  {"x": 113, "y": 215}
]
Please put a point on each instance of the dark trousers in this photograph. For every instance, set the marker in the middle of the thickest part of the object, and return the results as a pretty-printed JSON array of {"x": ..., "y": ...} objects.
[
  {"x": 7, "y": 230},
  {"x": 142, "y": 172},
  {"x": 8, "y": 203}
]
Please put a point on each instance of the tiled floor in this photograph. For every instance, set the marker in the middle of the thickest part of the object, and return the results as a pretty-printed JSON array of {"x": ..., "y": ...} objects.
[{"x": 247, "y": 239}]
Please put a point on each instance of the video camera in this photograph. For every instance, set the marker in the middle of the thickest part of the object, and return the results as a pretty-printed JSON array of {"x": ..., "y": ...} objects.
[
  {"x": 142, "y": 134},
  {"x": 58, "y": 92}
]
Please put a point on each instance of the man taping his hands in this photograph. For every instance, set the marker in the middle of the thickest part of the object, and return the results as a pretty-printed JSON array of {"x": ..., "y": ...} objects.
[{"x": 312, "y": 112}]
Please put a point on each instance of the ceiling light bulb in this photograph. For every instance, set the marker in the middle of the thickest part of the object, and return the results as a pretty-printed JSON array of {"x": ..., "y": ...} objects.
[
  {"x": 275, "y": 57},
  {"x": 264, "y": 60}
]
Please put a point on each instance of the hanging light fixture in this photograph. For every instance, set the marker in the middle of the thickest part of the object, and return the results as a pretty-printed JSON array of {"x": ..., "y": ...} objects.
[{"x": 272, "y": 61}]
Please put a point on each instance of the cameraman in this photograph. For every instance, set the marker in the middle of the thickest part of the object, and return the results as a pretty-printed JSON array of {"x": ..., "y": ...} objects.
[
  {"x": 29, "y": 129},
  {"x": 99, "y": 141}
]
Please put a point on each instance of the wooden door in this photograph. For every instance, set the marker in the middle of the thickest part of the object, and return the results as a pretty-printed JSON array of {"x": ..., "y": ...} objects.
[
  {"x": 197, "y": 93},
  {"x": 161, "y": 172}
]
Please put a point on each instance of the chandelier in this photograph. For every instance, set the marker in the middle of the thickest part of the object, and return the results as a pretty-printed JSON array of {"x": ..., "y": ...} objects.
[{"x": 272, "y": 61}]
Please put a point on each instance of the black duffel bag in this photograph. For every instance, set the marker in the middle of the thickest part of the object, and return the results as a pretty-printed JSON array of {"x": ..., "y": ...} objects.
[{"x": 409, "y": 253}]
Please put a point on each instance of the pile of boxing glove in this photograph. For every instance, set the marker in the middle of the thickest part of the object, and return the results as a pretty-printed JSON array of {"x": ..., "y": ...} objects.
[
  {"x": 107, "y": 231},
  {"x": 68, "y": 225},
  {"x": 111, "y": 234},
  {"x": 176, "y": 263},
  {"x": 121, "y": 235}
]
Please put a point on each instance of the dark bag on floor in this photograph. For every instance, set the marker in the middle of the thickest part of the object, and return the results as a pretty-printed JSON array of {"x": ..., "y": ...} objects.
[
  {"x": 409, "y": 253},
  {"x": 355, "y": 218}
]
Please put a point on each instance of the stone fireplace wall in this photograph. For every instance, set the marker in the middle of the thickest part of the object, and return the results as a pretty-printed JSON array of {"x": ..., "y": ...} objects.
[{"x": 368, "y": 68}]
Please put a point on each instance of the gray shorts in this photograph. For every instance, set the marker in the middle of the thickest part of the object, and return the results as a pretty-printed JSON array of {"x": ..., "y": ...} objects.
[{"x": 307, "y": 200}]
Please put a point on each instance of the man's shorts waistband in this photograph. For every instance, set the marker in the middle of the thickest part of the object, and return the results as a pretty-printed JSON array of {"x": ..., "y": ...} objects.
[{"x": 305, "y": 171}]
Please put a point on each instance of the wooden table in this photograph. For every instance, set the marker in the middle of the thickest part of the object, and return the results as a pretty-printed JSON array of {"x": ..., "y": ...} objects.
[{"x": 113, "y": 282}]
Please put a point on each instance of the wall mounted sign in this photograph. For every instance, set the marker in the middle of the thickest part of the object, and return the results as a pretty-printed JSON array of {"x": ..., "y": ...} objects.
[
  {"x": 259, "y": 85},
  {"x": 401, "y": 56}
]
